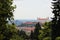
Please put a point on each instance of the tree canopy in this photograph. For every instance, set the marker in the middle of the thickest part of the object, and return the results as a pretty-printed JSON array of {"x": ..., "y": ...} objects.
[
  {"x": 7, "y": 31},
  {"x": 56, "y": 19}
]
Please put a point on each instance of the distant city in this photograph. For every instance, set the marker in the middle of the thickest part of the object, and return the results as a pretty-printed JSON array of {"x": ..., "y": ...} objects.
[
  {"x": 29, "y": 25},
  {"x": 22, "y": 22}
]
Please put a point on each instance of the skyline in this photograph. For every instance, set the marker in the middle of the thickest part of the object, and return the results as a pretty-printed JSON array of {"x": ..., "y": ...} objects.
[{"x": 32, "y": 9}]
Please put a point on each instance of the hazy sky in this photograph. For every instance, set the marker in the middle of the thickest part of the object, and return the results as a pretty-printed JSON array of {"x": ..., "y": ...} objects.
[{"x": 31, "y": 9}]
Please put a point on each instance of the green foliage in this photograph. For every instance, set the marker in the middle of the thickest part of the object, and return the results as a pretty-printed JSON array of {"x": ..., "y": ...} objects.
[
  {"x": 7, "y": 31},
  {"x": 57, "y": 38},
  {"x": 47, "y": 38},
  {"x": 16, "y": 37},
  {"x": 46, "y": 32},
  {"x": 41, "y": 35},
  {"x": 1, "y": 37},
  {"x": 10, "y": 33},
  {"x": 56, "y": 19},
  {"x": 32, "y": 35},
  {"x": 36, "y": 31},
  {"x": 22, "y": 34}
]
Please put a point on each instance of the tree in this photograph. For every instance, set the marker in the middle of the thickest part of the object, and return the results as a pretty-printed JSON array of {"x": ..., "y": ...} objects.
[
  {"x": 45, "y": 31},
  {"x": 32, "y": 35},
  {"x": 36, "y": 31},
  {"x": 56, "y": 19},
  {"x": 47, "y": 38},
  {"x": 57, "y": 38},
  {"x": 22, "y": 34},
  {"x": 7, "y": 31}
]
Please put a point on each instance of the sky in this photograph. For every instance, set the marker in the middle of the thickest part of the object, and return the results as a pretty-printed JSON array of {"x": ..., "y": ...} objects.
[{"x": 32, "y": 9}]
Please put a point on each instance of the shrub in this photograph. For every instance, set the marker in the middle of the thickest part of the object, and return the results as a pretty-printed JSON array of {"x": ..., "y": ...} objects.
[
  {"x": 47, "y": 38},
  {"x": 57, "y": 38}
]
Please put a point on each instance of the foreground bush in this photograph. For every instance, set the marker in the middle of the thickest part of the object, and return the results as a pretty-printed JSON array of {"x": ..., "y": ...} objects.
[{"x": 57, "y": 38}]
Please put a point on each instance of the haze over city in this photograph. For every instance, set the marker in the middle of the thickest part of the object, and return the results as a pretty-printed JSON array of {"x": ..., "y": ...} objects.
[{"x": 32, "y": 9}]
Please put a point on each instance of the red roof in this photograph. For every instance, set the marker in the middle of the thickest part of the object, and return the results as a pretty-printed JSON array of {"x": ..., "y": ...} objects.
[
  {"x": 29, "y": 28},
  {"x": 42, "y": 18},
  {"x": 28, "y": 23}
]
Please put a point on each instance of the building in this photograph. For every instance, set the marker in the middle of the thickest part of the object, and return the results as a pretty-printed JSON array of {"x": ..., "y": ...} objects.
[
  {"x": 43, "y": 20},
  {"x": 30, "y": 26}
]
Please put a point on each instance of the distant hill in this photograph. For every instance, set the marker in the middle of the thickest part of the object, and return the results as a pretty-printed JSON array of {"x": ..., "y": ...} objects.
[{"x": 19, "y": 22}]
